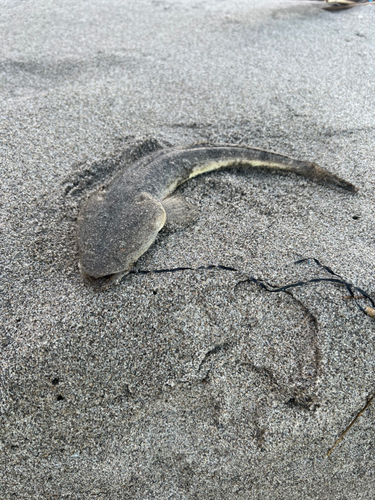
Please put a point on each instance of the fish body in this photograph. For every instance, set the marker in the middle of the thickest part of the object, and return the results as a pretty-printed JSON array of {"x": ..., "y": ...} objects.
[{"x": 118, "y": 223}]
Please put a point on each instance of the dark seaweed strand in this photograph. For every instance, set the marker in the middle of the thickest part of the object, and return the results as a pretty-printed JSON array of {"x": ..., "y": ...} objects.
[
  {"x": 349, "y": 286},
  {"x": 271, "y": 288}
]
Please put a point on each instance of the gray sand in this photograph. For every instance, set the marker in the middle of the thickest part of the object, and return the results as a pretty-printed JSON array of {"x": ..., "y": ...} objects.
[{"x": 186, "y": 386}]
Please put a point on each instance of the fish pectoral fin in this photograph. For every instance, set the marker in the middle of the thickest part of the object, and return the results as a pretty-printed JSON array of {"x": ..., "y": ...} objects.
[{"x": 179, "y": 211}]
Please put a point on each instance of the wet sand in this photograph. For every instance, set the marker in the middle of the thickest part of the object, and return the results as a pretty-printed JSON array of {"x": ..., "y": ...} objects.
[{"x": 187, "y": 385}]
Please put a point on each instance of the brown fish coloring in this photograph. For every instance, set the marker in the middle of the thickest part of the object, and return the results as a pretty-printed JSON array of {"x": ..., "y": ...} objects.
[{"x": 118, "y": 223}]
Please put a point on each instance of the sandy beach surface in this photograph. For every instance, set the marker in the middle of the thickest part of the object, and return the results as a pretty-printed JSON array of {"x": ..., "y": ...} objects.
[{"x": 197, "y": 384}]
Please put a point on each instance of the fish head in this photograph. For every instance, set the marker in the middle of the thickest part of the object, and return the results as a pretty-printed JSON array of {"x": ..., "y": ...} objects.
[{"x": 113, "y": 232}]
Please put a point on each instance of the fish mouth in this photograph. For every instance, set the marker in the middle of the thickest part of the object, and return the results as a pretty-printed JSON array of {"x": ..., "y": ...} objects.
[{"x": 101, "y": 282}]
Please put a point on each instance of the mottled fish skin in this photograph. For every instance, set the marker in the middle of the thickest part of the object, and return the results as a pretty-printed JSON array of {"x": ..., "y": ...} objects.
[{"x": 117, "y": 224}]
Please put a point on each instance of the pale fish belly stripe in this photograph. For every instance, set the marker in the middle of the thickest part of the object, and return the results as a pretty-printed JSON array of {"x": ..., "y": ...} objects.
[{"x": 209, "y": 167}]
